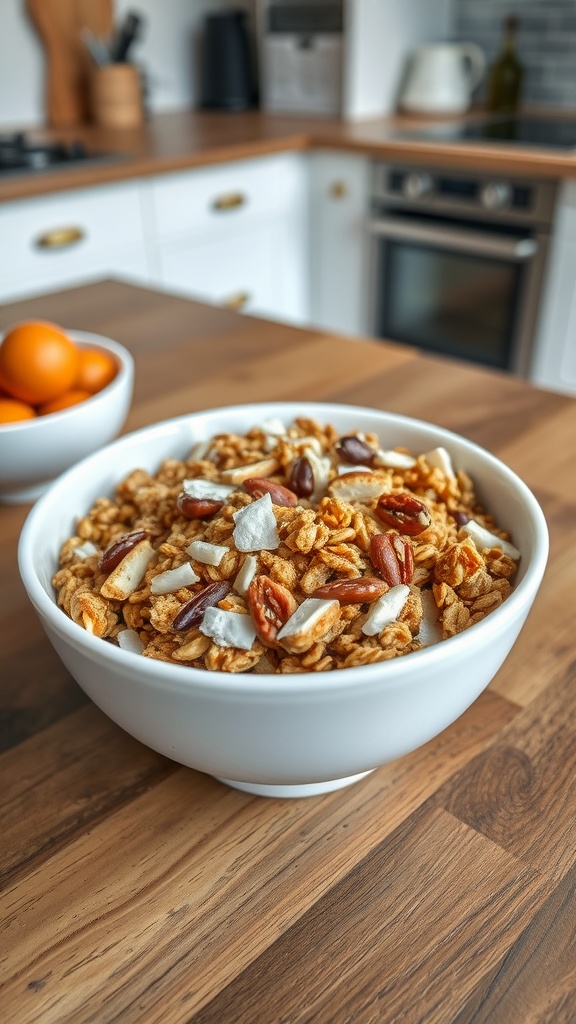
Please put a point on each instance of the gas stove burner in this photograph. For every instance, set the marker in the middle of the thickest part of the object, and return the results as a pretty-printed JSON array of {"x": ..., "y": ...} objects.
[{"x": 19, "y": 153}]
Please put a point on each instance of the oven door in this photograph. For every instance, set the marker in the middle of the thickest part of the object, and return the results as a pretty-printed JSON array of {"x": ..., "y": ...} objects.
[{"x": 465, "y": 291}]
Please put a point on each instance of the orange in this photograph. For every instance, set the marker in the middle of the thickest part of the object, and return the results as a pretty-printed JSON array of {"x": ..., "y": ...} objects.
[
  {"x": 38, "y": 362},
  {"x": 11, "y": 410},
  {"x": 96, "y": 369},
  {"x": 72, "y": 397}
]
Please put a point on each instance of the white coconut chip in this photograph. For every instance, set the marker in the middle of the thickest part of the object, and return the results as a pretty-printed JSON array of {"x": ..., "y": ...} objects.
[
  {"x": 483, "y": 539},
  {"x": 171, "y": 580},
  {"x": 228, "y": 629},
  {"x": 430, "y": 628},
  {"x": 358, "y": 486},
  {"x": 391, "y": 459},
  {"x": 85, "y": 550},
  {"x": 320, "y": 467},
  {"x": 439, "y": 458},
  {"x": 129, "y": 573},
  {"x": 342, "y": 470},
  {"x": 208, "y": 554},
  {"x": 386, "y": 609},
  {"x": 255, "y": 528},
  {"x": 200, "y": 488},
  {"x": 129, "y": 640},
  {"x": 246, "y": 574}
]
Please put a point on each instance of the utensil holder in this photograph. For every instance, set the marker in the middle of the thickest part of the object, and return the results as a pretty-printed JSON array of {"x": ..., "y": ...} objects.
[{"x": 117, "y": 96}]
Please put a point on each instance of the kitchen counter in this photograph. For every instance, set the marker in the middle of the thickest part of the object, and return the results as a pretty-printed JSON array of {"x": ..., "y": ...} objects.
[
  {"x": 438, "y": 890},
  {"x": 169, "y": 142}
]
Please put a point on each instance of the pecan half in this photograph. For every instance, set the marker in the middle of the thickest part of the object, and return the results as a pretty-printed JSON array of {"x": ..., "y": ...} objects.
[
  {"x": 404, "y": 513},
  {"x": 192, "y": 612},
  {"x": 270, "y": 605},
  {"x": 197, "y": 508},
  {"x": 301, "y": 478},
  {"x": 365, "y": 588},
  {"x": 257, "y": 486},
  {"x": 355, "y": 451},
  {"x": 392, "y": 556},
  {"x": 114, "y": 554}
]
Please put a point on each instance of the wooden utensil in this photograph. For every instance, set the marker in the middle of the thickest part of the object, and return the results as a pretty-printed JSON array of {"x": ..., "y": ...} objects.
[{"x": 59, "y": 24}]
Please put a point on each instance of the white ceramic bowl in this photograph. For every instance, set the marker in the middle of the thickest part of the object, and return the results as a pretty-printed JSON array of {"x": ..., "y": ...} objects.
[
  {"x": 34, "y": 452},
  {"x": 288, "y": 735}
]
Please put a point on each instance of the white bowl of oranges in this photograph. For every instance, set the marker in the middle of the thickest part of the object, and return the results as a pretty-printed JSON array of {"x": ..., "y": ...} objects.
[{"x": 63, "y": 394}]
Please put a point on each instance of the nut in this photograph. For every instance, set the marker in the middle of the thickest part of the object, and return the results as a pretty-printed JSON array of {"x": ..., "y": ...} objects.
[
  {"x": 404, "y": 513},
  {"x": 365, "y": 588},
  {"x": 257, "y": 486},
  {"x": 270, "y": 605},
  {"x": 197, "y": 508},
  {"x": 392, "y": 556},
  {"x": 114, "y": 554},
  {"x": 192, "y": 612},
  {"x": 301, "y": 478},
  {"x": 354, "y": 450}
]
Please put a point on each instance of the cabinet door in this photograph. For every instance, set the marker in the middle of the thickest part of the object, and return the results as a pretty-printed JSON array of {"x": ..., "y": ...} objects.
[
  {"x": 236, "y": 271},
  {"x": 236, "y": 234},
  {"x": 70, "y": 237},
  {"x": 554, "y": 359},
  {"x": 339, "y": 208}
]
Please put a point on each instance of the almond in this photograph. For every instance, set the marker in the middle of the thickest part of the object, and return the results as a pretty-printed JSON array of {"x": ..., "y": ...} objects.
[
  {"x": 404, "y": 513},
  {"x": 366, "y": 588},
  {"x": 270, "y": 605}
]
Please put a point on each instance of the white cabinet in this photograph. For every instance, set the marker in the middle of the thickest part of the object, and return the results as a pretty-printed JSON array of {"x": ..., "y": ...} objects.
[
  {"x": 554, "y": 361},
  {"x": 70, "y": 238},
  {"x": 236, "y": 235},
  {"x": 339, "y": 188}
]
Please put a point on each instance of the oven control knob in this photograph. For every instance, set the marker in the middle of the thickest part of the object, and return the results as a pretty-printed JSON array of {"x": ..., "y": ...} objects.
[
  {"x": 417, "y": 185},
  {"x": 496, "y": 195}
]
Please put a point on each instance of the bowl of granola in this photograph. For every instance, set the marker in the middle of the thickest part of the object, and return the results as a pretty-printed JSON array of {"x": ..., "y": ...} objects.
[{"x": 285, "y": 596}]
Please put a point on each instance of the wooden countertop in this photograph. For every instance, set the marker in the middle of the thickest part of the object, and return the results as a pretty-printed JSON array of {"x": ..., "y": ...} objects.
[
  {"x": 170, "y": 142},
  {"x": 441, "y": 889}
]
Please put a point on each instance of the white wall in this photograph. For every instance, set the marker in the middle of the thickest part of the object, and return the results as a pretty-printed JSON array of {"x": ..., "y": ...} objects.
[
  {"x": 168, "y": 53},
  {"x": 380, "y": 34}
]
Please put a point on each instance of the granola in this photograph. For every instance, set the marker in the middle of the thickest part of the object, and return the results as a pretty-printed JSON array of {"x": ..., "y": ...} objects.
[{"x": 286, "y": 550}]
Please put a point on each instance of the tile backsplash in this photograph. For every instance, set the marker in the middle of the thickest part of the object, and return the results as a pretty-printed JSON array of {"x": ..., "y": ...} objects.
[{"x": 546, "y": 43}]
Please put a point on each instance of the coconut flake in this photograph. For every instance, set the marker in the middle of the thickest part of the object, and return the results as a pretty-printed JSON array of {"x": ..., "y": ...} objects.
[
  {"x": 320, "y": 467},
  {"x": 430, "y": 627},
  {"x": 246, "y": 574},
  {"x": 483, "y": 539},
  {"x": 391, "y": 459},
  {"x": 255, "y": 528},
  {"x": 343, "y": 469},
  {"x": 228, "y": 629},
  {"x": 200, "y": 488},
  {"x": 359, "y": 486},
  {"x": 171, "y": 580},
  {"x": 439, "y": 458},
  {"x": 305, "y": 617},
  {"x": 129, "y": 640},
  {"x": 129, "y": 573},
  {"x": 85, "y": 550},
  {"x": 386, "y": 609},
  {"x": 208, "y": 554}
]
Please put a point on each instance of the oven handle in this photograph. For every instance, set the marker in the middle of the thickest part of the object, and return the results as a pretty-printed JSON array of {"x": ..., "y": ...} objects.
[{"x": 476, "y": 243}]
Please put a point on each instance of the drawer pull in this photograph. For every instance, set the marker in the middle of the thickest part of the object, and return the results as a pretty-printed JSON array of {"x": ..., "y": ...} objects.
[
  {"x": 229, "y": 201},
  {"x": 237, "y": 302},
  {"x": 60, "y": 238}
]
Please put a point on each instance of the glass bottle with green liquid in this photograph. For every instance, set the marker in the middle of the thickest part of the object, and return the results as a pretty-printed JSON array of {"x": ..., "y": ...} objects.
[{"x": 506, "y": 73}]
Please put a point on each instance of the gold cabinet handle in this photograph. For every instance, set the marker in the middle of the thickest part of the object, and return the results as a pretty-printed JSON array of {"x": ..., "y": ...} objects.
[
  {"x": 237, "y": 301},
  {"x": 338, "y": 190},
  {"x": 229, "y": 201},
  {"x": 60, "y": 238}
]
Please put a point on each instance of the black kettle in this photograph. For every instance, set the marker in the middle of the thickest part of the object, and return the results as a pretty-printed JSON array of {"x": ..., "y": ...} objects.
[{"x": 226, "y": 69}]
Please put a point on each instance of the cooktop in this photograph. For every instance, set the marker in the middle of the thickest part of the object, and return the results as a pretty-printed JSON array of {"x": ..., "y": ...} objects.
[
  {"x": 522, "y": 130},
  {"x": 19, "y": 153}
]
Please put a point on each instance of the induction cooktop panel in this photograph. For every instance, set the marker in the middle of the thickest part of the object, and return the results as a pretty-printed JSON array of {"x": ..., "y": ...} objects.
[{"x": 521, "y": 130}]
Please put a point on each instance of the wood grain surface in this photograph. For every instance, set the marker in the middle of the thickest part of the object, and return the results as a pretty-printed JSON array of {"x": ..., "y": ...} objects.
[
  {"x": 180, "y": 140},
  {"x": 438, "y": 890}
]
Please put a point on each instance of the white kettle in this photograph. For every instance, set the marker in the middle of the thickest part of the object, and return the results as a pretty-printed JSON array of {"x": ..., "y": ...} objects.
[{"x": 441, "y": 77}]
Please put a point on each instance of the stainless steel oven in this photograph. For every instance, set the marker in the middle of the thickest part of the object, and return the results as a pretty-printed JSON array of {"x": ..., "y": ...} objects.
[{"x": 457, "y": 262}]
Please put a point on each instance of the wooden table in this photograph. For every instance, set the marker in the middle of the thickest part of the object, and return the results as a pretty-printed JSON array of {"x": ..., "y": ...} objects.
[{"x": 440, "y": 889}]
